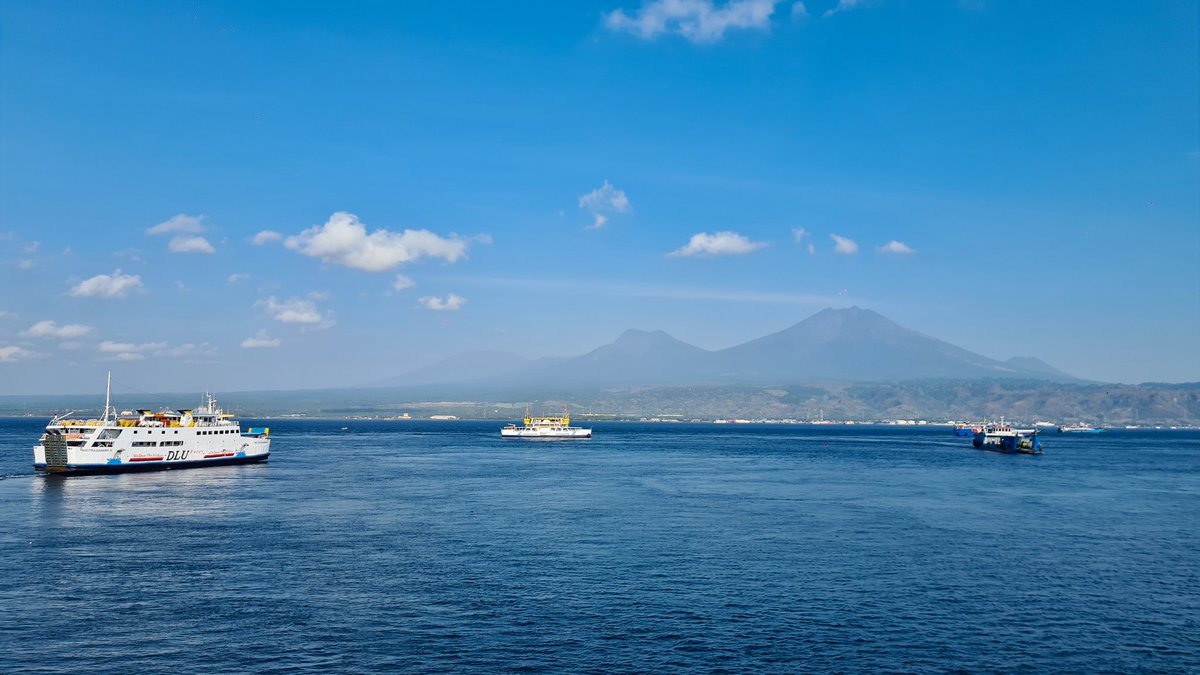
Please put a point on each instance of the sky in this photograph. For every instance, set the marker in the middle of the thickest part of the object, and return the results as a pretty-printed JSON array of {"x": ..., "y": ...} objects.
[{"x": 251, "y": 196}]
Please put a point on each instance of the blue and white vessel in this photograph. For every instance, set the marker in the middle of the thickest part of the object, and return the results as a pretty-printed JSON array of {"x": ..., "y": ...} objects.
[
  {"x": 1000, "y": 437},
  {"x": 147, "y": 441}
]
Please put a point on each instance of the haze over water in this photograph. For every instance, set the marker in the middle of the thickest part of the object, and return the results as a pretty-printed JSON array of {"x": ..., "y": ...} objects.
[{"x": 422, "y": 547}]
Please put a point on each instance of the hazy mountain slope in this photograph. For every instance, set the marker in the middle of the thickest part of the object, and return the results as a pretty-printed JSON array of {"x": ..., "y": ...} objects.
[
  {"x": 467, "y": 366},
  {"x": 855, "y": 345},
  {"x": 635, "y": 358},
  {"x": 834, "y": 345}
]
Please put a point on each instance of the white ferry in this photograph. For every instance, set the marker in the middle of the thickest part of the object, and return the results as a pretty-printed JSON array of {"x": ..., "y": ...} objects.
[
  {"x": 146, "y": 441},
  {"x": 1080, "y": 428},
  {"x": 545, "y": 428}
]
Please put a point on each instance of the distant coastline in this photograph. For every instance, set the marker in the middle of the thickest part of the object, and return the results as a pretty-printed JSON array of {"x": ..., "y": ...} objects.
[{"x": 934, "y": 401}]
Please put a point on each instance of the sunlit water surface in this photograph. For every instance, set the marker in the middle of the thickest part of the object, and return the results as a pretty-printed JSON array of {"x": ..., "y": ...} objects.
[{"x": 438, "y": 547}]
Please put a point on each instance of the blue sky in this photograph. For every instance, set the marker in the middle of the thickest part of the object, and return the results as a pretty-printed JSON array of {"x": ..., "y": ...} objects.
[{"x": 227, "y": 196}]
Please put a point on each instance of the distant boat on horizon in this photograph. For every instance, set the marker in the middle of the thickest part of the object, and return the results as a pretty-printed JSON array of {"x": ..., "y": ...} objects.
[{"x": 1080, "y": 428}]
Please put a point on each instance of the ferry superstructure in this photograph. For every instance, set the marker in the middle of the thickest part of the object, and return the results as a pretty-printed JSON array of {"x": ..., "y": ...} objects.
[
  {"x": 545, "y": 428},
  {"x": 147, "y": 441}
]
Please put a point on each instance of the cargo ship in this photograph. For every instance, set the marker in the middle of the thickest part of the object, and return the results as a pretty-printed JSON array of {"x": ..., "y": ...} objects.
[
  {"x": 1000, "y": 437},
  {"x": 147, "y": 441}
]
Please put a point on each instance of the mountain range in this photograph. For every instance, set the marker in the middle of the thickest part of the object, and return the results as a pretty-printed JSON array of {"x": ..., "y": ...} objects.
[{"x": 833, "y": 345}]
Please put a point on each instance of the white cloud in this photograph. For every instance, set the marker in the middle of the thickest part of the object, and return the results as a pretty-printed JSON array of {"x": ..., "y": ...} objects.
[
  {"x": 109, "y": 347},
  {"x": 605, "y": 198},
  {"x": 296, "y": 311},
  {"x": 452, "y": 303},
  {"x": 32, "y": 247},
  {"x": 239, "y": 276},
  {"x": 266, "y": 237},
  {"x": 700, "y": 21},
  {"x": 190, "y": 244},
  {"x": 7, "y": 315},
  {"x": 343, "y": 240},
  {"x": 843, "y": 245},
  {"x": 25, "y": 264},
  {"x": 799, "y": 11},
  {"x": 799, "y": 234},
  {"x": 50, "y": 329},
  {"x": 178, "y": 224},
  {"x": 598, "y": 221},
  {"x": 131, "y": 351},
  {"x": 812, "y": 250},
  {"x": 403, "y": 283},
  {"x": 116, "y": 285},
  {"x": 12, "y": 354},
  {"x": 842, "y": 6},
  {"x": 261, "y": 341},
  {"x": 894, "y": 247},
  {"x": 715, "y": 244},
  {"x": 190, "y": 352}
]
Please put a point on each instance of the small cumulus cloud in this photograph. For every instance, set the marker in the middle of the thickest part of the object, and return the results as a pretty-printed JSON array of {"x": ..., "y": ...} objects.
[
  {"x": 115, "y": 285},
  {"x": 190, "y": 352},
  {"x": 129, "y": 351},
  {"x": 452, "y": 303},
  {"x": 894, "y": 247},
  {"x": 180, "y": 224},
  {"x": 261, "y": 341},
  {"x": 25, "y": 264},
  {"x": 699, "y": 21},
  {"x": 799, "y": 11},
  {"x": 302, "y": 311},
  {"x": 266, "y": 237},
  {"x": 51, "y": 330},
  {"x": 812, "y": 249},
  {"x": 190, "y": 244},
  {"x": 843, "y": 245},
  {"x": 236, "y": 277},
  {"x": 842, "y": 6},
  {"x": 799, "y": 234},
  {"x": 603, "y": 202},
  {"x": 343, "y": 240},
  {"x": 716, "y": 244},
  {"x": 403, "y": 283},
  {"x": 13, "y": 354}
]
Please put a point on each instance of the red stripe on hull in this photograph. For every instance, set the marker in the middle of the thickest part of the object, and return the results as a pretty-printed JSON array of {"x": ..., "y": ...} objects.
[
  {"x": 146, "y": 459},
  {"x": 220, "y": 454}
]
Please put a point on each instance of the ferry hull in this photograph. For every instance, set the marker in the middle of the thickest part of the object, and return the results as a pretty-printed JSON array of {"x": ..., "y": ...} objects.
[
  {"x": 138, "y": 467},
  {"x": 546, "y": 436}
]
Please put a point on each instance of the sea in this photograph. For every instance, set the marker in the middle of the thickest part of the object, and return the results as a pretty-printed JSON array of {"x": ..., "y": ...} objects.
[{"x": 438, "y": 547}]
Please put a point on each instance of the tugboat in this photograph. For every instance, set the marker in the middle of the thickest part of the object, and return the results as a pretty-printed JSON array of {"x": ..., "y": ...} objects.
[
  {"x": 963, "y": 429},
  {"x": 1000, "y": 437},
  {"x": 545, "y": 428}
]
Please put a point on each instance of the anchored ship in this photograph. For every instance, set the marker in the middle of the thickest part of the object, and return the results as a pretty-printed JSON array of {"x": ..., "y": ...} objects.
[
  {"x": 1080, "y": 428},
  {"x": 146, "y": 440},
  {"x": 545, "y": 428},
  {"x": 1000, "y": 437}
]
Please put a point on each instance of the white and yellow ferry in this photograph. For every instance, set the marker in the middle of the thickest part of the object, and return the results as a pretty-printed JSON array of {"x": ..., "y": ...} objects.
[
  {"x": 545, "y": 428},
  {"x": 145, "y": 441}
]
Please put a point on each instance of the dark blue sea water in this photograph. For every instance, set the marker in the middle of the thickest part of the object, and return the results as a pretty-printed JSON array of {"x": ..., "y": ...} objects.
[{"x": 437, "y": 547}]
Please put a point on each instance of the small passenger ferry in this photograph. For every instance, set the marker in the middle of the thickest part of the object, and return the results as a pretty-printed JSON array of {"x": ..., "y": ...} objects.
[
  {"x": 146, "y": 441},
  {"x": 545, "y": 428}
]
